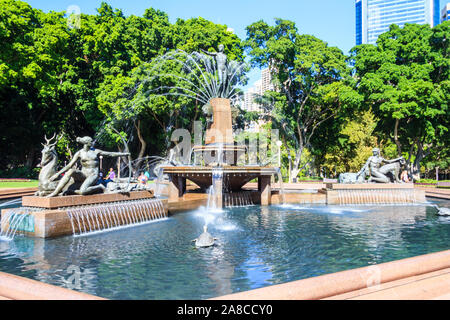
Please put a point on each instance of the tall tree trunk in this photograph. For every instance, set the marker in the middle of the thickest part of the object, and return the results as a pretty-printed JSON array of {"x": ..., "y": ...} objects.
[
  {"x": 397, "y": 142},
  {"x": 30, "y": 158},
  {"x": 141, "y": 141},
  {"x": 420, "y": 155}
]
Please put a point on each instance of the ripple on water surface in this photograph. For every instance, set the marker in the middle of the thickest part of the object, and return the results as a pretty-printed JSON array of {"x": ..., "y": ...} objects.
[{"x": 256, "y": 246}]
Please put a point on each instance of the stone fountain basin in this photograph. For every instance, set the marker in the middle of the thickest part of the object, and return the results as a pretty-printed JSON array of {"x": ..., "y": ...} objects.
[
  {"x": 53, "y": 220},
  {"x": 234, "y": 177}
]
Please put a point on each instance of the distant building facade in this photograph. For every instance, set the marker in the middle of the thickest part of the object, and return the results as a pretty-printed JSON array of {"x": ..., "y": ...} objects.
[
  {"x": 445, "y": 13},
  {"x": 250, "y": 95},
  {"x": 374, "y": 17},
  {"x": 258, "y": 89}
]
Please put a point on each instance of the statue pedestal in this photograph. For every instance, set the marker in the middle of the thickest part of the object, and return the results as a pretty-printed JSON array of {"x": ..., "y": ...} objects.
[
  {"x": 219, "y": 143},
  {"x": 221, "y": 130},
  {"x": 373, "y": 193},
  {"x": 67, "y": 215},
  {"x": 70, "y": 201}
]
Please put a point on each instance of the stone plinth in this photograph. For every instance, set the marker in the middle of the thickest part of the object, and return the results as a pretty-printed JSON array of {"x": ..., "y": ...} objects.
[
  {"x": 221, "y": 130},
  {"x": 70, "y": 201},
  {"x": 233, "y": 179},
  {"x": 371, "y": 186},
  {"x": 55, "y": 223},
  {"x": 374, "y": 193}
]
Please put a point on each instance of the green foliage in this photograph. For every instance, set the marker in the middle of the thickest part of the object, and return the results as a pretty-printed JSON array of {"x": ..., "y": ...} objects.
[
  {"x": 330, "y": 109},
  {"x": 355, "y": 144},
  {"x": 78, "y": 81},
  {"x": 312, "y": 79},
  {"x": 20, "y": 171},
  {"x": 405, "y": 79}
]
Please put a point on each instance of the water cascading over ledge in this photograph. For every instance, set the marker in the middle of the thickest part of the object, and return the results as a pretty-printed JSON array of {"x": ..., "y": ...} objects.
[
  {"x": 60, "y": 216},
  {"x": 238, "y": 199},
  {"x": 110, "y": 216},
  {"x": 373, "y": 193},
  {"x": 17, "y": 219}
]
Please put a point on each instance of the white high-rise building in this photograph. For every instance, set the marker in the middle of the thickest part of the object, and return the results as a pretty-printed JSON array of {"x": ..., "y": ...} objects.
[
  {"x": 266, "y": 79},
  {"x": 258, "y": 89},
  {"x": 374, "y": 17},
  {"x": 250, "y": 95}
]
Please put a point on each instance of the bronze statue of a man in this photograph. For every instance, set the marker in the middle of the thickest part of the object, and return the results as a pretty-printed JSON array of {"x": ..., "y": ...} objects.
[
  {"x": 221, "y": 59},
  {"x": 88, "y": 175},
  {"x": 378, "y": 172}
]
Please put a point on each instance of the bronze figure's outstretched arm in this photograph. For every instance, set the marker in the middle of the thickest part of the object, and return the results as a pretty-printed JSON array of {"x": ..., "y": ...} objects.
[
  {"x": 393, "y": 160},
  {"x": 209, "y": 53},
  {"x": 113, "y": 154}
]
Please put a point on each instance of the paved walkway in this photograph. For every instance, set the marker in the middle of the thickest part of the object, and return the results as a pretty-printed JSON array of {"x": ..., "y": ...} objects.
[
  {"x": 422, "y": 277},
  {"x": 440, "y": 193},
  {"x": 16, "y": 192},
  {"x": 429, "y": 286}
]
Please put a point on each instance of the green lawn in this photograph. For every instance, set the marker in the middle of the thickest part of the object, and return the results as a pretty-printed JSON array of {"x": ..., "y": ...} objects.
[{"x": 24, "y": 184}]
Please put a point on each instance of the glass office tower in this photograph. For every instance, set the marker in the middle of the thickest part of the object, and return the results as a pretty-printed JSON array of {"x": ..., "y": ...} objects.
[
  {"x": 445, "y": 13},
  {"x": 373, "y": 17}
]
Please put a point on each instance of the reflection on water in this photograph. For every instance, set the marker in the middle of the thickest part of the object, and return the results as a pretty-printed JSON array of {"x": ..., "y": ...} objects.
[{"x": 257, "y": 246}]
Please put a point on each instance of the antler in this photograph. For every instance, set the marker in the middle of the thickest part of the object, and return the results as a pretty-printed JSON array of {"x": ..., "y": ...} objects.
[{"x": 48, "y": 141}]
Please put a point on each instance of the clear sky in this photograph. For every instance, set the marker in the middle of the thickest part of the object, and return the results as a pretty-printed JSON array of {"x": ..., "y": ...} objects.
[{"x": 330, "y": 20}]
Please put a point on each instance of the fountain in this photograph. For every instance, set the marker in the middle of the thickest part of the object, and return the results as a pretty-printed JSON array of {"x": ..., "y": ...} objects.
[
  {"x": 266, "y": 239},
  {"x": 382, "y": 187},
  {"x": 215, "y": 162},
  {"x": 76, "y": 204}
]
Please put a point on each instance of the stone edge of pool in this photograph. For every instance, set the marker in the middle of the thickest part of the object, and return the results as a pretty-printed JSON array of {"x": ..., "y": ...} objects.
[
  {"x": 341, "y": 285},
  {"x": 372, "y": 278},
  {"x": 14, "y": 287}
]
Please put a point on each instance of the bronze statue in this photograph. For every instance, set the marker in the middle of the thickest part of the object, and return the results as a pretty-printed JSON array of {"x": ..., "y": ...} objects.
[
  {"x": 379, "y": 173},
  {"x": 89, "y": 173},
  {"x": 48, "y": 165},
  {"x": 221, "y": 59}
]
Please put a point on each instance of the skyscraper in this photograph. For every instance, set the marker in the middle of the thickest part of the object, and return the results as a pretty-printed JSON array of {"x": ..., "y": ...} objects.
[
  {"x": 250, "y": 95},
  {"x": 373, "y": 17},
  {"x": 260, "y": 86},
  {"x": 445, "y": 13},
  {"x": 266, "y": 79}
]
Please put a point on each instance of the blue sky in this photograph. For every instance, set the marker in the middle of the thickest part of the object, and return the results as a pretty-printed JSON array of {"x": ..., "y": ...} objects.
[{"x": 330, "y": 20}]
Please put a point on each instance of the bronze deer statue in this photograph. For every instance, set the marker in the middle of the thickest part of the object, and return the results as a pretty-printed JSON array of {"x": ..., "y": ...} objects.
[{"x": 48, "y": 166}]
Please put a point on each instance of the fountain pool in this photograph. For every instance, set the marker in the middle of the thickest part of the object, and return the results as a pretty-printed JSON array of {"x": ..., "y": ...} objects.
[{"x": 258, "y": 246}]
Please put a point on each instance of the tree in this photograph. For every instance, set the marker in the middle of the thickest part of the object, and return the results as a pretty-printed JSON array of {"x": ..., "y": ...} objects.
[
  {"x": 354, "y": 143},
  {"x": 133, "y": 96},
  {"x": 312, "y": 80},
  {"x": 34, "y": 86},
  {"x": 405, "y": 79}
]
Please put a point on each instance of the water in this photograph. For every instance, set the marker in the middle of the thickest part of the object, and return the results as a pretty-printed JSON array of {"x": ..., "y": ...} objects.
[
  {"x": 15, "y": 219},
  {"x": 379, "y": 196},
  {"x": 111, "y": 216},
  {"x": 238, "y": 199},
  {"x": 257, "y": 246},
  {"x": 5, "y": 204}
]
